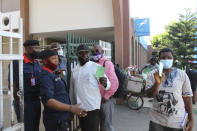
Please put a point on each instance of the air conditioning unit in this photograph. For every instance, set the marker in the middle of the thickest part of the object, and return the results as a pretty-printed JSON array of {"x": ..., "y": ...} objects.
[{"x": 10, "y": 17}]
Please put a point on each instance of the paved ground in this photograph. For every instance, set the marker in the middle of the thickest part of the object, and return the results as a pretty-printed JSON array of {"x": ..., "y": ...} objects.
[
  {"x": 130, "y": 120},
  {"x": 125, "y": 119}
]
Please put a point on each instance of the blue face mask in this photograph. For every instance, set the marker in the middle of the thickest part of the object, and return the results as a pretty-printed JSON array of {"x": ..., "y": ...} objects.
[{"x": 167, "y": 64}]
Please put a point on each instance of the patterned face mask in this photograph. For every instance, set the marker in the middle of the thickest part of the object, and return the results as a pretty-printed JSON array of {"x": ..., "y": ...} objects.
[{"x": 97, "y": 56}]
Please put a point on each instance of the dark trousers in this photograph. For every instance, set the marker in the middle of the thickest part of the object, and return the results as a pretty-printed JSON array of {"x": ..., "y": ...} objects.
[
  {"x": 56, "y": 125},
  {"x": 156, "y": 127},
  {"x": 91, "y": 121},
  {"x": 32, "y": 114}
]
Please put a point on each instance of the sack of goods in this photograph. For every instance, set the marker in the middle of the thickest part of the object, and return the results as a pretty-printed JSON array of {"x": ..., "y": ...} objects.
[{"x": 135, "y": 84}]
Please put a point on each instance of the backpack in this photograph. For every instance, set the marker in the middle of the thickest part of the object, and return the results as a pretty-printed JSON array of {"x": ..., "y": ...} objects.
[{"x": 122, "y": 79}]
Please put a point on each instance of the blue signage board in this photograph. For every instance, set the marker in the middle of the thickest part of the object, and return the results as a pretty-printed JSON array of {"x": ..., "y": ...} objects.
[{"x": 142, "y": 27}]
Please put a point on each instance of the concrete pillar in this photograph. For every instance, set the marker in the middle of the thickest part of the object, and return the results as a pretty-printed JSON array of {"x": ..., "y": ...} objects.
[
  {"x": 126, "y": 34},
  {"x": 118, "y": 30},
  {"x": 122, "y": 27},
  {"x": 24, "y": 10}
]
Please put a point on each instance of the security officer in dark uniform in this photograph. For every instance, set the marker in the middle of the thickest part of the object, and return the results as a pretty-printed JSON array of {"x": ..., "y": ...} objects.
[
  {"x": 31, "y": 69},
  {"x": 54, "y": 96}
]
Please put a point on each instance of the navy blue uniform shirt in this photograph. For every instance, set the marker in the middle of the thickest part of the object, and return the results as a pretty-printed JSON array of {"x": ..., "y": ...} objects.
[
  {"x": 30, "y": 70},
  {"x": 53, "y": 87}
]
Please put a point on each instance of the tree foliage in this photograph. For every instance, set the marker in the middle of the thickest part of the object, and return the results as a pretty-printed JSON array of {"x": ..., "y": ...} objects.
[{"x": 180, "y": 37}]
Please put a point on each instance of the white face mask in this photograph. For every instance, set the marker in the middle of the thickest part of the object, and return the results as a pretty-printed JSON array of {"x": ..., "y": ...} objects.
[
  {"x": 167, "y": 64},
  {"x": 60, "y": 52}
]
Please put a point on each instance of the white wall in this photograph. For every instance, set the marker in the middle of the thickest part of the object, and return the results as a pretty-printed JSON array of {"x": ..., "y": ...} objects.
[
  {"x": 62, "y": 15},
  {"x": 9, "y": 5}
]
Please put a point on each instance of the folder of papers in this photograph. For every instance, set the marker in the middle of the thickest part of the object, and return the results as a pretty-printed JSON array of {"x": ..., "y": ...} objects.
[
  {"x": 184, "y": 122},
  {"x": 100, "y": 72}
]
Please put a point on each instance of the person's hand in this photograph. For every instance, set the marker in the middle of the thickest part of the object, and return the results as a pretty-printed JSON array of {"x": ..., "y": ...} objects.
[
  {"x": 78, "y": 111},
  {"x": 159, "y": 79},
  {"x": 103, "y": 81},
  {"x": 189, "y": 126},
  {"x": 103, "y": 101},
  {"x": 59, "y": 71}
]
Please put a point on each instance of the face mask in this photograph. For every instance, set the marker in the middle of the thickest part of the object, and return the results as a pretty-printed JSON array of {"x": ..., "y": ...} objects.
[
  {"x": 34, "y": 55},
  {"x": 60, "y": 52},
  {"x": 97, "y": 56},
  {"x": 167, "y": 64},
  {"x": 83, "y": 61},
  {"x": 51, "y": 66}
]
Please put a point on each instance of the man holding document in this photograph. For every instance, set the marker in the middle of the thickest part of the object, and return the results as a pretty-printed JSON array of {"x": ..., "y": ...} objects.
[
  {"x": 86, "y": 78},
  {"x": 107, "y": 101},
  {"x": 171, "y": 89}
]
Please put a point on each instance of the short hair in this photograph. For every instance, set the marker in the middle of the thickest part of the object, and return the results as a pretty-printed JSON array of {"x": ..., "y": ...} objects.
[
  {"x": 165, "y": 50},
  {"x": 82, "y": 47},
  {"x": 47, "y": 53},
  {"x": 31, "y": 43}
]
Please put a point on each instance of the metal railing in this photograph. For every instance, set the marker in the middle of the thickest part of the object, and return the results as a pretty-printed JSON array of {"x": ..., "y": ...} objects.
[
  {"x": 107, "y": 47},
  {"x": 10, "y": 57}
]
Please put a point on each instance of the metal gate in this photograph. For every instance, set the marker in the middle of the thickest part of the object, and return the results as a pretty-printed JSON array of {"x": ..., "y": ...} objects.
[
  {"x": 10, "y": 57},
  {"x": 107, "y": 47},
  {"x": 73, "y": 41}
]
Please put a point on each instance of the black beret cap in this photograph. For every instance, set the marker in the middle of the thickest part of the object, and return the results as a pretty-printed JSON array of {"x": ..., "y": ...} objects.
[
  {"x": 47, "y": 53},
  {"x": 82, "y": 47},
  {"x": 31, "y": 43}
]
